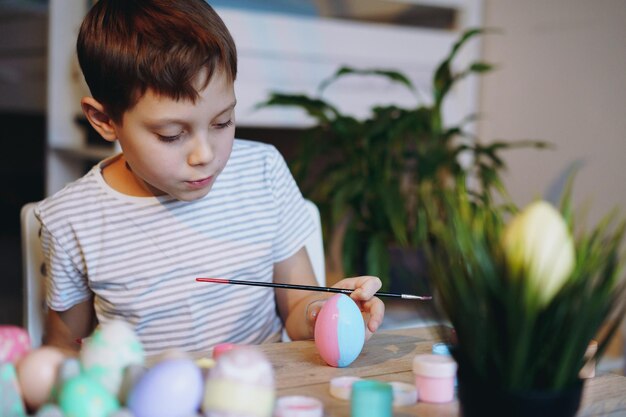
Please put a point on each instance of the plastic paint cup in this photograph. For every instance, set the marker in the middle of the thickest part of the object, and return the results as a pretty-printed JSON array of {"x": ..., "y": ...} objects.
[
  {"x": 371, "y": 399},
  {"x": 434, "y": 377},
  {"x": 443, "y": 349},
  {"x": 403, "y": 394},
  {"x": 298, "y": 406},
  {"x": 341, "y": 387}
]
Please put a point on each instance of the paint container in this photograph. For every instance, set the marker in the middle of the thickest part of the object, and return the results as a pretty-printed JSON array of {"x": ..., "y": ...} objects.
[
  {"x": 589, "y": 369},
  {"x": 434, "y": 377},
  {"x": 298, "y": 406},
  {"x": 403, "y": 394},
  {"x": 371, "y": 399},
  {"x": 240, "y": 384},
  {"x": 341, "y": 387},
  {"x": 443, "y": 349}
]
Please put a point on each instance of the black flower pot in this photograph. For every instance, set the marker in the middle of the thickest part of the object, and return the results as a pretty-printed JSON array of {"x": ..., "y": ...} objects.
[{"x": 478, "y": 398}]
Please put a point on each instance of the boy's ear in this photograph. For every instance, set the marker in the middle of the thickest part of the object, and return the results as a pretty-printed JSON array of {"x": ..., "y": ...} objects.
[{"x": 98, "y": 118}]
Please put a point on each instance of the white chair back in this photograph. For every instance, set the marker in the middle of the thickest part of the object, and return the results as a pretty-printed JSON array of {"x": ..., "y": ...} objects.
[
  {"x": 33, "y": 273},
  {"x": 315, "y": 245}
]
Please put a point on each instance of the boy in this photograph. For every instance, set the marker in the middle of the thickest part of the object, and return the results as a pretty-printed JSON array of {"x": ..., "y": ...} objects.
[{"x": 183, "y": 200}]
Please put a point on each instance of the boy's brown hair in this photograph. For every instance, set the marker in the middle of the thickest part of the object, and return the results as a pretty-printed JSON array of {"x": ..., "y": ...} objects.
[{"x": 126, "y": 47}]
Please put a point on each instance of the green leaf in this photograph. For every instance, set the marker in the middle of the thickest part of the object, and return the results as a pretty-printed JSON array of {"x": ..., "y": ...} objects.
[
  {"x": 466, "y": 36},
  {"x": 315, "y": 107},
  {"x": 480, "y": 67},
  {"x": 378, "y": 258},
  {"x": 394, "y": 76},
  {"x": 393, "y": 205},
  {"x": 442, "y": 81},
  {"x": 352, "y": 252}
]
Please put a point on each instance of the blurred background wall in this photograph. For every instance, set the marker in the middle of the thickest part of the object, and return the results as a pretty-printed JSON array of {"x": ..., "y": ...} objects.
[{"x": 561, "y": 77}]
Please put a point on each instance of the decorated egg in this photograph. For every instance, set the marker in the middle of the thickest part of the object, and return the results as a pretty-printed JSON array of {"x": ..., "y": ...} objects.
[
  {"x": 131, "y": 375},
  {"x": 205, "y": 364},
  {"x": 10, "y": 397},
  {"x": 241, "y": 384},
  {"x": 69, "y": 368},
  {"x": 111, "y": 348},
  {"x": 37, "y": 374},
  {"x": 172, "y": 388},
  {"x": 123, "y": 412},
  {"x": 49, "y": 410},
  {"x": 339, "y": 331},
  {"x": 14, "y": 343},
  {"x": 82, "y": 396}
]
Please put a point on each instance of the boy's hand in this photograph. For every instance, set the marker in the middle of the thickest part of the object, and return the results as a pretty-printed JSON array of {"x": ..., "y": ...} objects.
[{"x": 364, "y": 288}]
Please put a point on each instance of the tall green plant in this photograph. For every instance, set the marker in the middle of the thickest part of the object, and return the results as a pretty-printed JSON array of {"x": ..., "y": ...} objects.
[
  {"x": 369, "y": 173},
  {"x": 522, "y": 320}
]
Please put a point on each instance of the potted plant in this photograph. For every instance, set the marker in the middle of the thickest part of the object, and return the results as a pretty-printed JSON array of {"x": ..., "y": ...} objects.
[
  {"x": 525, "y": 297},
  {"x": 366, "y": 175}
]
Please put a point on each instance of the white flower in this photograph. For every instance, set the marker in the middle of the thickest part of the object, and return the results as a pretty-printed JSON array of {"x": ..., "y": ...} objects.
[{"x": 539, "y": 249}]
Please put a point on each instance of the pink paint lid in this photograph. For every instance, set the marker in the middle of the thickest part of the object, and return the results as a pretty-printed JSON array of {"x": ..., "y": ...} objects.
[
  {"x": 341, "y": 387},
  {"x": 435, "y": 366},
  {"x": 222, "y": 348},
  {"x": 298, "y": 406}
]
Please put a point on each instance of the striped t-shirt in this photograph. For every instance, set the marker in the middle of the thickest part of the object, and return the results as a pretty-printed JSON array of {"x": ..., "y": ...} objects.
[{"x": 140, "y": 256}]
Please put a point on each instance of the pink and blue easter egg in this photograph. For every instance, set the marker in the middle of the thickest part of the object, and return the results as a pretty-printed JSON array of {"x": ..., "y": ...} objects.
[{"x": 339, "y": 331}]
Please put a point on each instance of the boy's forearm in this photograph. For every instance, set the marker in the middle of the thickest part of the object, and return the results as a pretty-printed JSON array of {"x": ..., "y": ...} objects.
[
  {"x": 57, "y": 334},
  {"x": 64, "y": 329}
]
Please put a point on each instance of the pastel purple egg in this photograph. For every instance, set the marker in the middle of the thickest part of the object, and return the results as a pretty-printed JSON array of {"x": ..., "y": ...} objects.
[{"x": 172, "y": 388}]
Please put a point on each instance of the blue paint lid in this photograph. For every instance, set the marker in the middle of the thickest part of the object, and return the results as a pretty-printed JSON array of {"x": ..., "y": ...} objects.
[{"x": 441, "y": 349}]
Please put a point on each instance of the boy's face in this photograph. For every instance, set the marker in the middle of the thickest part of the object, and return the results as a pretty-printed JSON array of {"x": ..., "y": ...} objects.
[{"x": 178, "y": 148}]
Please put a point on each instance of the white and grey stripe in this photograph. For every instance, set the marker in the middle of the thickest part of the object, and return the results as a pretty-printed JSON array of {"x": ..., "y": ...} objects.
[{"x": 139, "y": 256}]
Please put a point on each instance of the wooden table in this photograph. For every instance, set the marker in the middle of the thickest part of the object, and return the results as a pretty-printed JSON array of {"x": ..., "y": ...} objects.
[{"x": 388, "y": 356}]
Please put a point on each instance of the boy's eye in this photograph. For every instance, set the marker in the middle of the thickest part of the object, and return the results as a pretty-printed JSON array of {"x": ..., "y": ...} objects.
[
  {"x": 224, "y": 125},
  {"x": 173, "y": 138}
]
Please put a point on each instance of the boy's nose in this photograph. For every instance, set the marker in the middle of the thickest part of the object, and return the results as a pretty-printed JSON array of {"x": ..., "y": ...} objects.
[{"x": 201, "y": 152}]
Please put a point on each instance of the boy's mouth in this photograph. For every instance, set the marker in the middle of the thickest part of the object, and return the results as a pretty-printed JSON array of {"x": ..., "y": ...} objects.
[{"x": 200, "y": 183}]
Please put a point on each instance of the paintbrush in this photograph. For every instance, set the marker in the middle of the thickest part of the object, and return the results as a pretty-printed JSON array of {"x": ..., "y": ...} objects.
[{"x": 309, "y": 288}]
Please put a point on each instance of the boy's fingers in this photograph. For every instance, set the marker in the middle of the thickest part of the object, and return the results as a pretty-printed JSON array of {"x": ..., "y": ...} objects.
[
  {"x": 376, "y": 309},
  {"x": 372, "y": 307},
  {"x": 313, "y": 310},
  {"x": 364, "y": 287}
]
